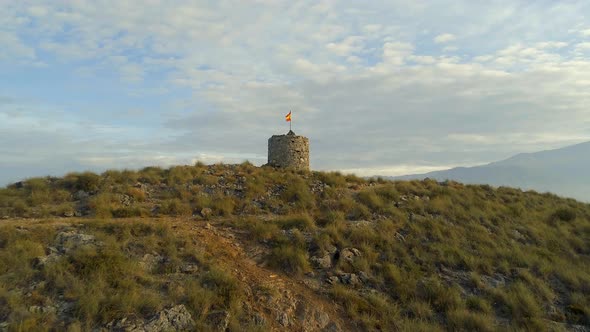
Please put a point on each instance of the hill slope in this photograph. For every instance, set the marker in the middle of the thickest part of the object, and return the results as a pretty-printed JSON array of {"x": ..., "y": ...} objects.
[
  {"x": 561, "y": 171},
  {"x": 244, "y": 248}
]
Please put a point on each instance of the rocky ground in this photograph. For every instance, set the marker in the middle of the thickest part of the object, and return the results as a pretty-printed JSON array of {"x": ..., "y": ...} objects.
[{"x": 274, "y": 301}]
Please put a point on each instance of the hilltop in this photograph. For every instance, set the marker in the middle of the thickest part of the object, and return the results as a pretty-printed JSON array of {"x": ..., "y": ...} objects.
[
  {"x": 245, "y": 248},
  {"x": 562, "y": 171}
]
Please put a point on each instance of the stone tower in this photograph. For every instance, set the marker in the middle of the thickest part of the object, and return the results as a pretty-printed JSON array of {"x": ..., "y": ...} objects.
[{"x": 289, "y": 151}]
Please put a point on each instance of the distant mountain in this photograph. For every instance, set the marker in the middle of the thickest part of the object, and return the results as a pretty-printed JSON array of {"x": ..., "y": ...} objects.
[{"x": 564, "y": 171}]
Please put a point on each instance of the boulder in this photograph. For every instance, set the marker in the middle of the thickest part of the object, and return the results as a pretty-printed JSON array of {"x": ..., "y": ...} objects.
[
  {"x": 150, "y": 261},
  {"x": 322, "y": 261},
  {"x": 68, "y": 240},
  {"x": 350, "y": 279},
  {"x": 81, "y": 195},
  {"x": 332, "y": 280},
  {"x": 176, "y": 318},
  {"x": 219, "y": 320},
  {"x": 206, "y": 213},
  {"x": 348, "y": 254},
  {"x": 37, "y": 309}
]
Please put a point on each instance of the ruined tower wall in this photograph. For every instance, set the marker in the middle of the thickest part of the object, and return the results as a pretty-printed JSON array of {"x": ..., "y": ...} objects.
[{"x": 288, "y": 151}]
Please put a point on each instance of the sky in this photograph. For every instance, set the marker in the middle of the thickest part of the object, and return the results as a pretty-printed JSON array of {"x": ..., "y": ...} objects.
[{"x": 380, "y": 87}]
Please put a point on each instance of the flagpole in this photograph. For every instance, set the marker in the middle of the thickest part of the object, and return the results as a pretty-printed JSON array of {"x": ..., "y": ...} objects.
[{"x": 290, "y": 120}]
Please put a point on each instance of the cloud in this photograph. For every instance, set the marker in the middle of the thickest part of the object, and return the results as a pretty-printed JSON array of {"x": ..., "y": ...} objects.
[
  {"x": 366, "y": 82},
  {"x": 444, "y": 38}
]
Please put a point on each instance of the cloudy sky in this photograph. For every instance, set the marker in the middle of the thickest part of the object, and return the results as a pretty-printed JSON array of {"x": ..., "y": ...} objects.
[{"x": 380, "y": 87}]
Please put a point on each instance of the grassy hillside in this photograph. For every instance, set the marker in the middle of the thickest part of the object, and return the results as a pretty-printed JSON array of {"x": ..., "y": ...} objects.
[{"x": 266, "y": 249}]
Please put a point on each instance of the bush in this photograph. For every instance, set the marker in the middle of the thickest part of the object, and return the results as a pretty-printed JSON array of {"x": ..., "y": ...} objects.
[
  {"x": 175, "y": 207},
  {"x": 371, "y": 200},
  {"x": 298, "y": 193},
  {"x": 225, "y": 285},
  {"x": 464, "y": 320},
  {"x": 101, "y": 205},
  {"x": 302, "y": 222},
  {"x": 137, "y": 194},
  {"x": 222, "y": 205},
  {"x": 87, "y": 181},
  {"x": 564, "y": 214},
  {"x": 520, "y": 301},
  {"x": 289, "y": 259},
  {"x": 128, "y": 212}
]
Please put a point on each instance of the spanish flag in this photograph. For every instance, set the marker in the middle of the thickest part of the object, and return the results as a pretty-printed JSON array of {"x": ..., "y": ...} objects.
[{"x": 288, "y": 117}]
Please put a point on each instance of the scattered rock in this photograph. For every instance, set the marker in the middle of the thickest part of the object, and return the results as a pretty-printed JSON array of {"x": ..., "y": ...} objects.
[
  {"x": 283, "y": 319},
  {"x": 311, "y": 318},
  {"x": 176, "y": 318},
  {"x": 322, "y": 261},
  {"x": 69, "y": 240},
  {"x": 125, "y": 200},
  {"x": 363, "y": 276},
  {"x": 349, "y": 279},
  {"x": 150, "y": 261},
  {"x": 332, "y": 280},
  {"x": 348, "y": 254},
  {"x": 258, "y": 319},
  {"x": 219, "y": 320},
  {"x": 495, "y": 281},
  {"x": 189, "y": 268},
  {"x": 36, "y": 309},
  {"x": 68, "y": 214},
  {"x": 332, "y": 327},
  {"x": 66, "y": 241},
  {"x": 44, "y": 260},
  {"x": 81, "y": 195},
  {"x": 206, "y": 213}
]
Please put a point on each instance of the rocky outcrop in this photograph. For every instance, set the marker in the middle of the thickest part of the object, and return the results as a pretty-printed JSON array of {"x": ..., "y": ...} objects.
[
  {"x": 349, "y": 254},
  {"x": 176, "y": 318},
  {"x": 65, "y": 241}
]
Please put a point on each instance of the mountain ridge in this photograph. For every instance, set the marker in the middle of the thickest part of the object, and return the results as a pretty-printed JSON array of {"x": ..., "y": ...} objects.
[{"x": 562, "y": 171}]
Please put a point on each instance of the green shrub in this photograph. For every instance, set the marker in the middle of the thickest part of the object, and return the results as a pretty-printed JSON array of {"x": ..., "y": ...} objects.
[
  {"x": 301, "y": 222},
  {"x": 151, "y": 175},
  {"x": 225, "y": 285},
  {"x": 333, "y": 179},
  {"x": 564, "y": 214},
  {"x": 371, "y": 200},
  {"x": 479, "y": 304},
  {"x": 442, "y": 297},
  {"x": 420, "y": 310},
  {"x": 298, "y": 193},
  {"x": 520, "y": 301},
  {"x": 128, "y": 212},
  {"x": 464, "y": 320},
  {"x": 137, "y": 194},
  {"x": 86, "y": 181},
  {"x": 101, "y": 205},
  {"x": 289, "y": 259},
  {"x": 175, "y": 207},
  {"x": 222, "y": 205}
]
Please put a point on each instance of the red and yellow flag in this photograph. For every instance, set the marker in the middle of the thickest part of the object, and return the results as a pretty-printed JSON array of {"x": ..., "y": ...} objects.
[{"x": 288, "y": 117}]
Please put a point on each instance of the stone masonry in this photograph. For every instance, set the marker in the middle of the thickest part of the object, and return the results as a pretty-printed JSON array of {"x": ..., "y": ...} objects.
[{"x": 289, "y": 151}]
